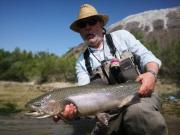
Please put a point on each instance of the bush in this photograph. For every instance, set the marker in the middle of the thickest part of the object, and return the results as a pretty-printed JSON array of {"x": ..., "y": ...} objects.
[
  {"x": 41, "y": 67},
  {"x": 169, "y": 55}
]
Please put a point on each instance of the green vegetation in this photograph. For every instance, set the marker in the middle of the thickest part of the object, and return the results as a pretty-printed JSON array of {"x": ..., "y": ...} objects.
[
  {"x": 171, "y": 108},
  {"x": 41, "y": 67},
  {"x": 13, "y": 96},
  {"x": 170, "y": 59},
  {"x": 8, "y": 109},
  {"x": 169, "y": 55}
]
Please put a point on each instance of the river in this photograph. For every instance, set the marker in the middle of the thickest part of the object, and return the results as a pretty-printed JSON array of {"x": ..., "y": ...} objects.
[
  {"x": 20, "y": 124},
  {"x": 23, "y": 125}
]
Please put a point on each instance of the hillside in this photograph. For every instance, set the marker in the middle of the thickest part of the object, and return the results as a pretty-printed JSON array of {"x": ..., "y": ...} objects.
[{"x": 161, "y": 25}]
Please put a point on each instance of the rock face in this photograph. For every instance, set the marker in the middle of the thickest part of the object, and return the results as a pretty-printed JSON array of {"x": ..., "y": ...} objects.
[
  {"x": 161, "y": 25},
  {"x": 75, "y": 51},
  {"x": 150, "y": 20}
]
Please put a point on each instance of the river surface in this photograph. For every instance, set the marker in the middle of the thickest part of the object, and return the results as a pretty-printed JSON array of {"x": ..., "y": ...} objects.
[{"x": 24, "y": 125}]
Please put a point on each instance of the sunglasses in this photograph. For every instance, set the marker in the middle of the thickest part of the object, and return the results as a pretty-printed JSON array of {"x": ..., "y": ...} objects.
[{"x": 90, "y": 22}]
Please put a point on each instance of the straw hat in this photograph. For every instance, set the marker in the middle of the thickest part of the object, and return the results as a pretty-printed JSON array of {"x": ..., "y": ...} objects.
[{"x": 87, "y": 11}]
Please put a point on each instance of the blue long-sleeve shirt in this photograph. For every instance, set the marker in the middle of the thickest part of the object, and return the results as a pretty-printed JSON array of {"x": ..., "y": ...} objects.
[{"x": 123, "y": 41}]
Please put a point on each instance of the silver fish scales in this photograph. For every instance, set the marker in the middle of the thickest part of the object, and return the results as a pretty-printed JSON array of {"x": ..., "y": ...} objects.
[{"x": 89, "y": 99}]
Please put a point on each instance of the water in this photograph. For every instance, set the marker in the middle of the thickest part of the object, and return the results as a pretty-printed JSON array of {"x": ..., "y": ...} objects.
[{"x": 23, "y": 125}]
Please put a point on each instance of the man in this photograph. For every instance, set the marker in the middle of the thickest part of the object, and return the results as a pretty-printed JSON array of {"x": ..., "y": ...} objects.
[{"x": 142, "y": 118}]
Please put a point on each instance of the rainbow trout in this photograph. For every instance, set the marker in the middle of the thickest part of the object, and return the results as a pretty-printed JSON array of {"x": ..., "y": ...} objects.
[{"x": 89, "y": 100}]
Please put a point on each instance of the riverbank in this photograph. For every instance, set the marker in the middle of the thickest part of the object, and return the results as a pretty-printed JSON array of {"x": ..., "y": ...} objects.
[{"x": 14, "y": 95}]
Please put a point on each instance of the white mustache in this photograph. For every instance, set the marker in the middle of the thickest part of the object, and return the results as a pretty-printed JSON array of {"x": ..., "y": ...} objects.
[{"x": 89, "y": 34}]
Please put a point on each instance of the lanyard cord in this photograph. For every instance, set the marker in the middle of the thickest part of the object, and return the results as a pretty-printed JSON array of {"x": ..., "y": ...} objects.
[
  {"x": 95, "y": 55},
  {"x": 101, "y": 62}
]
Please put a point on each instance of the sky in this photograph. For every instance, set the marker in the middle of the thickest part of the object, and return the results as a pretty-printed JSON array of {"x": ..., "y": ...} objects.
[{"x": 43, "y": 25}]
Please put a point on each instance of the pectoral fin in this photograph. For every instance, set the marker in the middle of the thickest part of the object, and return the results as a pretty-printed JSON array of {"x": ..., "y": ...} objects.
[
  {"x": 43, "y": 116},
  {"x": 33, "y": 114},
  {"x": 131, "y": 99},
  {"x": 103, "y": 118}
]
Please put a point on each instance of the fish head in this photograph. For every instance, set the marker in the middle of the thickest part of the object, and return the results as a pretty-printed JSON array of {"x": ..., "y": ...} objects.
[{"x": 44, "y": 107}]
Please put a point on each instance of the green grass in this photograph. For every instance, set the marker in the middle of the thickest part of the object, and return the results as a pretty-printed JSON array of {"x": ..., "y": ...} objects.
[
  {"x": 178, "y": 112},
  {"x": 13, "y": 97},
  {"x": 8, "y": 109}
]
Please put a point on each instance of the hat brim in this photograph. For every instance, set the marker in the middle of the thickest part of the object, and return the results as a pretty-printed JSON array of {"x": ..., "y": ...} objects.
[{"x": 75, "y": 28}]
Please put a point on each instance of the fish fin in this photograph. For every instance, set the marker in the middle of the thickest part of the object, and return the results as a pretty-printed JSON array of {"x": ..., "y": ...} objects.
[
  {"x": 131, "y": 99},
  {"x": 34, "y": 114},
  {"x": 103, "y": 118},
  {"x": 89, "y": 117},
  {"x": 60, "y": 116},
  {"x": 43, "y": 116}
]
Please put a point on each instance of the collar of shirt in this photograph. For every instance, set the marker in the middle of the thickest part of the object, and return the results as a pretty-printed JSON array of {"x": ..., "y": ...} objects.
[{"x": 96, "y": 49}]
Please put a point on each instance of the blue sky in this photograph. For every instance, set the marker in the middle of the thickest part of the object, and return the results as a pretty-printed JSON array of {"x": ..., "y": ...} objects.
[{"x": 43, "y": 25}]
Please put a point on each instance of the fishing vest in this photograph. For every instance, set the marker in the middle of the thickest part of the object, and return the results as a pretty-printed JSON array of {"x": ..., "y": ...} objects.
[{"x": 116, "y": 70}]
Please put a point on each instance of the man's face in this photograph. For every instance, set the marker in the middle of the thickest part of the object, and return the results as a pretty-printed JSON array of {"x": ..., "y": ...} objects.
[{"x": 91, "y": 31}]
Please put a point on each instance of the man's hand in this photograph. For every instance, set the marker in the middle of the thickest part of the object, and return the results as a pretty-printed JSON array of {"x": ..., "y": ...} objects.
[
  {"x": 70, "y": 112},
  {"x": 148, "y": 82}
]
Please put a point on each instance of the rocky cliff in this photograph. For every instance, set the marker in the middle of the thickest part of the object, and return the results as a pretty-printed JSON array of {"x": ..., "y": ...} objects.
[{"x": 161, "y": 25}]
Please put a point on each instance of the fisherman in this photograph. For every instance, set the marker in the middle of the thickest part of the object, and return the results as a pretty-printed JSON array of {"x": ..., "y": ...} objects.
[{"x": 142, "y": 118}]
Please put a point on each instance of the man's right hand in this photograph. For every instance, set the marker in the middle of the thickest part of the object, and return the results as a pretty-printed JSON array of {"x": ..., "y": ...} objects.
[{"x": 70, "y": 112}]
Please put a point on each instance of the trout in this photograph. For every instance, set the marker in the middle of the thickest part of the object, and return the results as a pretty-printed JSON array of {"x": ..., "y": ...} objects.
[{"x": 90, "y": 100}]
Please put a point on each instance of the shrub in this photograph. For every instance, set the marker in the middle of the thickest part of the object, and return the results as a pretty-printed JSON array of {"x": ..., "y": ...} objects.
[{"x": 41, "y": 67}]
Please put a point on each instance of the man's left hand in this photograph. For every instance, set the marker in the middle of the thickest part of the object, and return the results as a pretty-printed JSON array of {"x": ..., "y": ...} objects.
[{"x": 147, "y": 81}]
